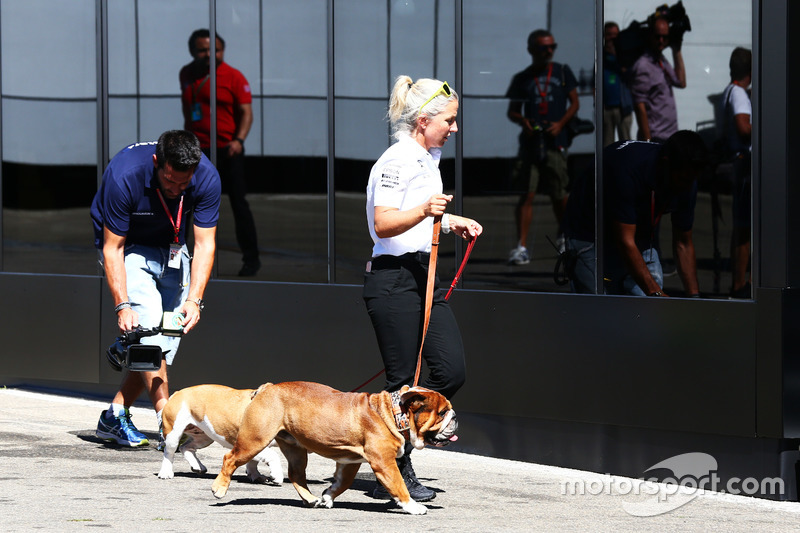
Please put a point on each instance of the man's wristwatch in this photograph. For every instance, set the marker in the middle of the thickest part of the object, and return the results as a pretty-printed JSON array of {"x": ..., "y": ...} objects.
[
  {"x": 241, "y": 141},
  {"x": 200, "y": 303},
  {"x": 656, "y": 293}
]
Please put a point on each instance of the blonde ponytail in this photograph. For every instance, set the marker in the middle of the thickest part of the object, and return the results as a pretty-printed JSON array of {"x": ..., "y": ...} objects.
[{"x": 397, "y": 101}]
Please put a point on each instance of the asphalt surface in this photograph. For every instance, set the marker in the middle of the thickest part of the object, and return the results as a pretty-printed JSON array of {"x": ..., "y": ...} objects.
[{"x": 55, "y": 475}]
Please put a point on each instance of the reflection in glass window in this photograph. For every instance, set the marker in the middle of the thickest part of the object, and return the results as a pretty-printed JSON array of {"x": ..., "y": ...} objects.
[
  {"x": 270, "y": 118},
  {"x": 520, "y": 91},
  {"x": 285, "y": 177},
  {"x": 669, "y": 68},
  {"x": 49, "y": 136},
  {"x": 410, "y": 38},
  {"x": 360, "y": 94}
]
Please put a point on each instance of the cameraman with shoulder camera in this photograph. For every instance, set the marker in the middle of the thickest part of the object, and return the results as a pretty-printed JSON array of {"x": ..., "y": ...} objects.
[
  {"x": 149, "y": 191},
  {"x": 652, "y": 81}
]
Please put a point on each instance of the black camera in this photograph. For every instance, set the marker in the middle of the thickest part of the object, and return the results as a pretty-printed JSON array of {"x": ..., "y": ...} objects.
[
  {"x": 677, "y": 18},
  {"x": 128, "y": 352},
  {"x": 632, "y": 41}
]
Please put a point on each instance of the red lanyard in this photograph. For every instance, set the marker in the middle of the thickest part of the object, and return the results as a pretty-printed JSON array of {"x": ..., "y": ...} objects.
[
  {"x": 543, "y": 93},
  {"x": 172, "y": 222}
]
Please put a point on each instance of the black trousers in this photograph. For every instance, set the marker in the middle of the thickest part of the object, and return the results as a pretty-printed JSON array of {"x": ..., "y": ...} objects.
[
  {"x": 231, "y": 171},
  {"x": 394, "y": 293}
]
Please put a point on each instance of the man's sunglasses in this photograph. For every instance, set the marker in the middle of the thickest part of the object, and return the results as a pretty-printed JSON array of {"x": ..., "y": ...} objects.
[
  {"x": 547, "y": 47},
  {"x": 444, "y": 90}
]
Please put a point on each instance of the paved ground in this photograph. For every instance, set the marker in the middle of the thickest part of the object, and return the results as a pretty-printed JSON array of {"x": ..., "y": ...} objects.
[{"x": 55, "y": 475}]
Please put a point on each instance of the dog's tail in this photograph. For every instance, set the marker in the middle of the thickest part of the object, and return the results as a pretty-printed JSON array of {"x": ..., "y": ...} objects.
[{"x": 259, "y": 389}]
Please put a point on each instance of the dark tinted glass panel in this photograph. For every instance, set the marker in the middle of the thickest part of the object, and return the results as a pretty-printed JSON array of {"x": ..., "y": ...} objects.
[
  {"x": 49, "y": 141},
  {"x": 668, "y": 69},
  {"x": 518, "y": 170},
  {"x": 404, "y": 38}
]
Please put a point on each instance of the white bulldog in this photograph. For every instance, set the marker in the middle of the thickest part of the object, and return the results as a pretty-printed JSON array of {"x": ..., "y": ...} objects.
[{"x": 206, "y": 414}]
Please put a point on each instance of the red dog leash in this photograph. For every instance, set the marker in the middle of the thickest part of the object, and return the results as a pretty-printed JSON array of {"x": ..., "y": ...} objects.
[
  {"x": 429, "y": 295},
  {"x": 468, "y": 251}
]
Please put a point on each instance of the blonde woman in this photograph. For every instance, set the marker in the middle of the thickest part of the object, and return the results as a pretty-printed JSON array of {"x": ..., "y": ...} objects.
[{"x": 404, "y": 195}]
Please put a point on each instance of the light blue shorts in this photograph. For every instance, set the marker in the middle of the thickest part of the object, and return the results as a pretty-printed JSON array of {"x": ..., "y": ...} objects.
[
  {"x": 154, "y": 288},
  {"x": 583, "y": 279},
  {"x": 653, "y": 262},
  {"x": 584, "y": 276}
]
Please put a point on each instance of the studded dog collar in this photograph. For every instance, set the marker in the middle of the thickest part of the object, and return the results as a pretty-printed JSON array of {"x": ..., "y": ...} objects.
[{"x": 400, "y": 418}]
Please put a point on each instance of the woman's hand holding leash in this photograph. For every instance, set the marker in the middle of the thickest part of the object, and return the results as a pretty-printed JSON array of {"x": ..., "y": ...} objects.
[{"x": 466, "y": 227}]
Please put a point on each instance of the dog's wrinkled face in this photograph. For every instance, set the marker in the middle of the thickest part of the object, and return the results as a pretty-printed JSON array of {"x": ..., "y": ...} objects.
[
  {"x": 447, "y": 432},
  {"x": 433, "y": 420}
]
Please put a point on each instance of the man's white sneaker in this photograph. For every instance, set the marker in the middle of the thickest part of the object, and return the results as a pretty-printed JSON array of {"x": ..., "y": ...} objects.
[
  {"x": 561, "y": 244},
  {"x": 519, "y": 256}
]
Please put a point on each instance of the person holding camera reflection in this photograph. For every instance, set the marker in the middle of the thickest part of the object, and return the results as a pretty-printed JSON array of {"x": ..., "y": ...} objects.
[
  {"x": 234, "y": 118},
  {"x": 404, "y": 195},
  {"x": 139, "y": 214},
  {"x": 542, "y": 99},
  {"x": 653, "y": 80},
  {"x": 642, "y": 182}
]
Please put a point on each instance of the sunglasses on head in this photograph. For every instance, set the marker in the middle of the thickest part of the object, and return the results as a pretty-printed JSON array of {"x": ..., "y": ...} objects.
[{"x": 444, "y": 90}]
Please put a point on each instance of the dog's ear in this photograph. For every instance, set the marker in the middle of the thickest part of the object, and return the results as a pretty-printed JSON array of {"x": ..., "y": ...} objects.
[{"x": 412, "y": 400}]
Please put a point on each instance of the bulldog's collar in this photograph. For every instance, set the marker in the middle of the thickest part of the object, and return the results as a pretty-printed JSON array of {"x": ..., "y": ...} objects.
[{"x": 400, "y": 418}]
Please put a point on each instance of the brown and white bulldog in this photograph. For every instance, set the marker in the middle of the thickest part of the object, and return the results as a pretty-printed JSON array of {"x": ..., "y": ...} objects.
[
  {"x": 350, "y": 428},
  {"x": 206, "y": 414}
]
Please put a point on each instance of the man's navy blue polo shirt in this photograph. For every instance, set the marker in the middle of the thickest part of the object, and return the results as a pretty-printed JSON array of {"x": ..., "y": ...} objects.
[
  {"x": 127, "y": 202},
  {"x": 629, "y": 181},
  {"x": 629, "y": 184}
]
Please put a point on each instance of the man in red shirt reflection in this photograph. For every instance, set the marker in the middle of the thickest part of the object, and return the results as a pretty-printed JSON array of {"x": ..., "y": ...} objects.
[{"x": 234, "y": 118}]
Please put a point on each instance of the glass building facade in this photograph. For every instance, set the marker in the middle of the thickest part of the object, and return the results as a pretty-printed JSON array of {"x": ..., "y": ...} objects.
[
  {"x": 85, "y": 78},
  {"x": 605, "y": 383}
]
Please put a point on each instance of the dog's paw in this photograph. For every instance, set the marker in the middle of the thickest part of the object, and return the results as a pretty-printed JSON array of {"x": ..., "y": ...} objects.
[
  {"x": 253, "y": 475},
  {"x": 326, "y": 501},
  {"x": 258, "y": 478},
  {"x": 276, "y": 473},
  {"x": 198, "y": 467},
  {"x": 194, "y": 463},
  {"x": 413, "y": 507},
  {"x": 219, "y": 489},
  {"x": 166, "y": 470}
]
